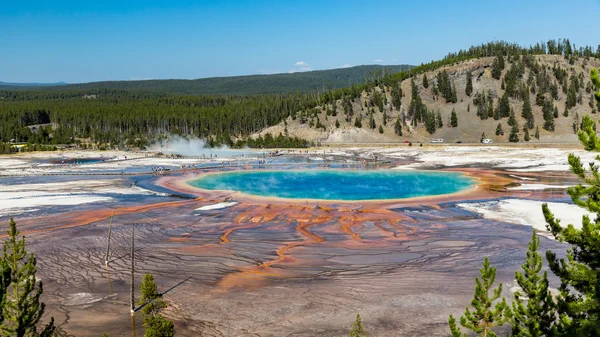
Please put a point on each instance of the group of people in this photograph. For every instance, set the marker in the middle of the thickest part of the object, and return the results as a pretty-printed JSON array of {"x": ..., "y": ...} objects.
[{"x": 160, "y": 170}]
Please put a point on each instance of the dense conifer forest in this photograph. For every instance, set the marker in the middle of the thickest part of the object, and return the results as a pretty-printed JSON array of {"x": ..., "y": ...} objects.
[{"x": 286, "y": 83}]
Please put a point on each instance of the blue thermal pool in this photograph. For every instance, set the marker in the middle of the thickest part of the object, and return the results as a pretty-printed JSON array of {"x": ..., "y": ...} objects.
[{"x": 337, "y": 184}]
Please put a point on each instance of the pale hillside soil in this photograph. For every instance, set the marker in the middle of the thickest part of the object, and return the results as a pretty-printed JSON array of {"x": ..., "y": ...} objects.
[{"x": 470, "y": 127}]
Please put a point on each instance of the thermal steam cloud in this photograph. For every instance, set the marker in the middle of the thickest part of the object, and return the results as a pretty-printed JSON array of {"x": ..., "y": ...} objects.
[{"x": 197, "y": 147}]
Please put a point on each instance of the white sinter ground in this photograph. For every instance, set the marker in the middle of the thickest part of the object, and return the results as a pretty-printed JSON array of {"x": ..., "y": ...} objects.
[
  {"x": 18, "y": 198},
  {"x": 527, "y": 212}
]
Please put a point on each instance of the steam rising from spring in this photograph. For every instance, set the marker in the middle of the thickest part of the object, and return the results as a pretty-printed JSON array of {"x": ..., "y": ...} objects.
[{"x": 197, "y": 147}]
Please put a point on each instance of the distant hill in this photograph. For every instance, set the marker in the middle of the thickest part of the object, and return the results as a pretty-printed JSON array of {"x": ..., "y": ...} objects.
[
  {"x": 14, "y": 86},
  {"x": 241, "y": 85}
]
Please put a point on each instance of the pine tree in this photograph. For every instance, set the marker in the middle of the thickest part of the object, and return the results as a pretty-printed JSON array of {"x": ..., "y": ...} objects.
[
  {"x": 596, "y": 81},
  {"x": 548, "y": 113},
  {"x": 566, "y": 112},
  {"x": 503, "y": 106},
  {"x": 482, "y": 137},
  {"x": 150, "y": 298},
  {"x": 22, "y": 308},
  {"x": 357, "y": 122},
  {"x": 440, "y": 122},
  {"x": 571, "y": 96},
  {"x": 469, "y": 87},
  {"x": 380, "y": 129},
  {"x": 526, "y": 137},
  {"x": 385, "y": 118},
  {"x": 497, "y": 66},
  {"x": 357, "y": 328},
  {"x": 337, "y": 123},
  {"x": 396, "y": 96},
  {"x": 153, "y": 304},
  {"x": 511, "y": 119},
  {"x": 534, "y": 317},
  {"x": 514, "y": 133},
  {"x": 484, "y": 318},
  {"x": 158, "y": 326},
  {"x": 537, "y": 132},
  {"x": 555, "y": 112},
  {"x": 579, "y": 299},
  {"x": 5, "y": 280},
  {"x": 372, "y": 124},
  {"x": 499, "y": 131},
  {"x": 453, "y": 119},
  {"x": 453, "y": 98},
  {"x": 398, "y": 127},
  {"x": 430, "y": 124},
  {"x": 425, "y": 81}
]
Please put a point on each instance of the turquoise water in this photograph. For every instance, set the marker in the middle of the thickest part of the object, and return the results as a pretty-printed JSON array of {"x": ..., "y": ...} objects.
[{"x": 337, "y": 184}]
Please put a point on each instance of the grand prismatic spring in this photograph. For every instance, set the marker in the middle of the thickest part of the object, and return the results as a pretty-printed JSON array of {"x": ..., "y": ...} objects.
[{"x": 293, "y": 245}]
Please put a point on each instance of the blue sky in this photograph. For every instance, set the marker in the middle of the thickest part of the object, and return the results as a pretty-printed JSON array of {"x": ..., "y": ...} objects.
[{"x": 81, "y": 41}]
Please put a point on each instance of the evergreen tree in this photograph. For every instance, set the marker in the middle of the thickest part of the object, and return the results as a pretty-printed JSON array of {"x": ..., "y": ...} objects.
[
  {"x": 578, "y": 301},
  {"x": 497, "y": 66},
  {"x": 499, "y": 131},
  {"x": 372, "y": 124},
  {"x": 380, "y": 129},
  {"x": 398, "y": 127},
  {"x": 482, "y": 137},
  {"x": 469, "y": 87},
  {"x": 337, "y": 123},
  {"x": 430, "y": 124},
  {"x": 534, "y": 317},
  {"x": 150, "y": 297},
  {"x": 158, "y": 326},
  {"x": 526, "y": 137},
  {"x": 511, "y": 119},
  {"x": 555, "y": 112},
  {"x": 153, "y": 304},
  {"x": 537, "y": 132},
  {"x": 514, "y": 133},
  {"x": 453, "y": 98},
  {"x": 357, "y": 328},
  {"x": 566, "y": 112},
  {"x": 548, "y": 113},
  {"x": 385, "y": 118},
  {"x": 22, "y": 309},
  {"x": 453, "y": 119},
  {"x": 596, "y": 82},
  {"x": 357, "y": 122},
  {"x": 503, "y": 106},
  {"x": 440, "y": 122},
  {"x": 485, "y": 314},
  {"x": 396, "y": 96},
  {"x": 425, "y": 81}
]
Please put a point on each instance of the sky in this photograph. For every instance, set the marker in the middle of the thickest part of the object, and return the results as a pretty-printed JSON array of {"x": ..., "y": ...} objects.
[{"x": 83, "y": 40}]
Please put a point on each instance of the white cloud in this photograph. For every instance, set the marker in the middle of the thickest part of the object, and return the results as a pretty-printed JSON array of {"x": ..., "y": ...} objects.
[
  {"x": 346, "y": 65},
  {"x": 378, "y": 61},
  {"x": 300, "y": 66}
]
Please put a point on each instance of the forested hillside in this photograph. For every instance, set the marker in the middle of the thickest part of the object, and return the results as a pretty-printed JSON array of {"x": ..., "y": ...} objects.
[
  {"x": 293, "y": 83},
  {"x": 497, "y": 90}
]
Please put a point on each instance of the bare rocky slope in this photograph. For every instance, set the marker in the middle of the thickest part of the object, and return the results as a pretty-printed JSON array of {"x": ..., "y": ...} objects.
[{"x": 470, "y": 126}]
